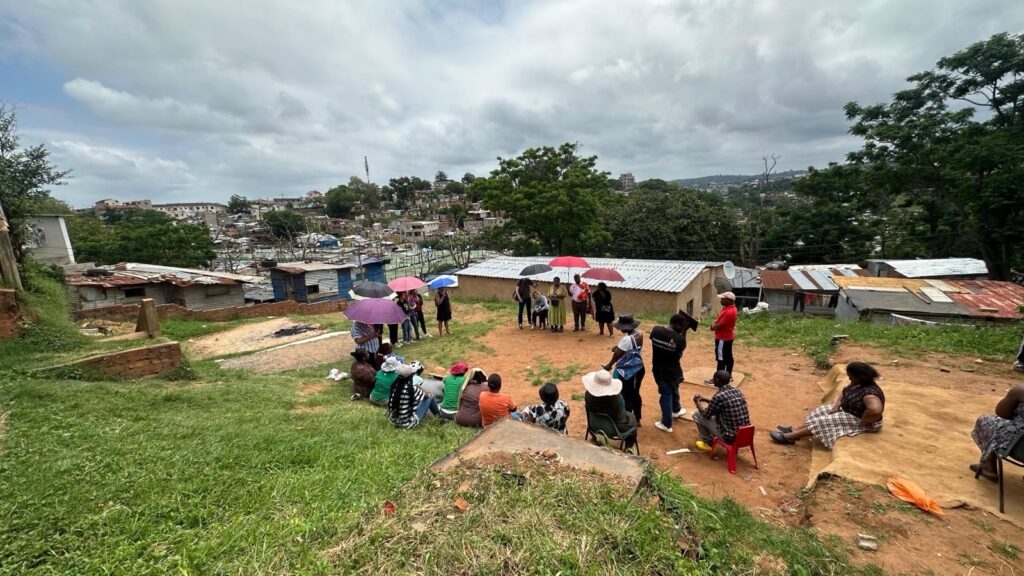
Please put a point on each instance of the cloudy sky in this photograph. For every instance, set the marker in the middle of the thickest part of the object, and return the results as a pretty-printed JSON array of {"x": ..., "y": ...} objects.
[{"x": 185, "y": 100}]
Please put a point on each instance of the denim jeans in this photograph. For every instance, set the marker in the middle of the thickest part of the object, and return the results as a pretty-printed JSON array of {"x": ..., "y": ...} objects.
[
  {"x": 668, "y": 394},
  {"x": 415, "y": 326},
  {"x": 406, "y": 331},
  {"x": 429, "y": 403}
]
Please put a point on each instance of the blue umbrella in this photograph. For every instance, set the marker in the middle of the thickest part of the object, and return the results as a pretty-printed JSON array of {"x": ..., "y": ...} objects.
[{"x": 443, "y": 281}]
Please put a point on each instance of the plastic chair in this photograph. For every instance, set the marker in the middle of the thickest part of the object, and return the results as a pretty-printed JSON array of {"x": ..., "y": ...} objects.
[
  {"x": 744, "y": 438},
  {"x": 598, "y": 423},
  {"x": 1015, "y": 457}
]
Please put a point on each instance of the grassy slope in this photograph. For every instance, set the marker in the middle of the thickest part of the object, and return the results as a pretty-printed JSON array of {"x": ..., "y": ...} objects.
[{"x": 239, "y": 473}]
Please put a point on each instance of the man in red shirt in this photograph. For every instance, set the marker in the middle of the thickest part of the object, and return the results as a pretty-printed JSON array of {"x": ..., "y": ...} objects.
[{"x": 724, "y": 328}]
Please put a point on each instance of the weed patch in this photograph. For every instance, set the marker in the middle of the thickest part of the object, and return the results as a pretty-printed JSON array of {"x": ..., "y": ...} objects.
[{"x": 543, "y": 371}]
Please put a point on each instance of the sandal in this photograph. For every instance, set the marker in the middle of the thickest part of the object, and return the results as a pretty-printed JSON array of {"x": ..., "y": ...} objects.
[
  {"x": 779, "y": 438},
  {"x": 784, "y": 429},
  {"x": 990, "y": 476}
]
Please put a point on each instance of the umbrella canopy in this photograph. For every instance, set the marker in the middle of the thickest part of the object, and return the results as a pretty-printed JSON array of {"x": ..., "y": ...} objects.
[
  {"x": 534, "y": 269},
  {"x": 443, "y": 281},
  {"x": 368, "y": 289},
  {"x": 606, "y": 274},
  {"x": 569, "y": 262},
  {"x": 406, "y": 283},
  {"x": 375, "y": 311}
]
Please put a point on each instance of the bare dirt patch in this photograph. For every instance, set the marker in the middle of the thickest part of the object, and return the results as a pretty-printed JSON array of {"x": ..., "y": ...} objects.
[
  {"x": 247, "y": 338},
  {"x": 312, "y": 388},
  {"x": 781, "y": 387},
  {"x": 333, "y": 350}
]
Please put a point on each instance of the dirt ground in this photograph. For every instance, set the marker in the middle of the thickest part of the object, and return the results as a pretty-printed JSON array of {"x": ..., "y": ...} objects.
[
  {"x": 781, "y": 388},
  {"x": 246, "y": 338},
  {"x": 301, "y": 354}
]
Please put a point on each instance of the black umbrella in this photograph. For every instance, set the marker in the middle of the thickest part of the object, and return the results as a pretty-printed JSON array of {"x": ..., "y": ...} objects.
[
  {"x": 534, "y": 269},
  {"x": 373, "y": 290}
]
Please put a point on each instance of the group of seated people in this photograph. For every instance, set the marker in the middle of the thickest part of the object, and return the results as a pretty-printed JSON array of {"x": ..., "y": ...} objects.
[{"x": 467, "y": 397}]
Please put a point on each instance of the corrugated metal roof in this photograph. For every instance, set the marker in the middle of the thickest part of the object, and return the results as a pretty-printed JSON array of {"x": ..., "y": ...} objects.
[
  {"x": 184, "y": 273},
  {"x": 902, "y": 302},
  {"x": 302, "y": 267},
  {"x": 824, "y": 267},
  {"x": 123, "y": 278},
  {"x": 652, "y": 275},
  {"x": 937, "y": 267},
  {"x": 813, "y": 279},
  {"x": 989, "y": 298}
]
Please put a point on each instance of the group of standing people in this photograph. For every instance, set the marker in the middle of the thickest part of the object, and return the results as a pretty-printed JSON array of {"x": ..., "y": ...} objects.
[{"x": 548, "y": 310}]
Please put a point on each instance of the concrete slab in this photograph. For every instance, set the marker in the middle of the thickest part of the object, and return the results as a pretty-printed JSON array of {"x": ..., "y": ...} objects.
[{"x": 510, "y": 437}]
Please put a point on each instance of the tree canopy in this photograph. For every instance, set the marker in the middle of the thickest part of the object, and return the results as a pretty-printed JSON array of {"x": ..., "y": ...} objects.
[
  {"x": 25, "y": 175},
  {"x": 284, "y": 225},
  {"x": 238, "y": 204},
  {"x": 552, "y": 198},
  {"x": 140, "y": 236}
]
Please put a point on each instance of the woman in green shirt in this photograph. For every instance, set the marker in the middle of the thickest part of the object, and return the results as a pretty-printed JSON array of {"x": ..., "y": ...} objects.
[
  {"x": 453, "y": 389},
  {"x": 386, "y": 376}
]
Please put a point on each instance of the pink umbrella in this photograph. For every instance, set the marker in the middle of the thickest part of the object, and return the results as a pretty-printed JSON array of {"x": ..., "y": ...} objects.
[
  {"x": 569, "y": 262},
  {"x": 406, "y": 283},
  {"x": 606, "y": 274},
  {"x": 375, "y": 311}
]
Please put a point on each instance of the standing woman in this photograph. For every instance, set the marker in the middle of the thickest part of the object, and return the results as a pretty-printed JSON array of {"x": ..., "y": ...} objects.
[
  {"x": 558, "y": 299},
  {"x": 417, "y": 302},
  {"x": 444, "y": 311},
  {"x": 629, "y": 364},
  {"x": 604, "y": 313}
]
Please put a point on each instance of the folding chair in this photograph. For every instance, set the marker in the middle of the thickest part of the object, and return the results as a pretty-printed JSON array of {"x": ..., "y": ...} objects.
[
  {"x": 744, "y": 437},
  {"x": 1015, "y": 457},
  {"x": 602, "y": 424}
]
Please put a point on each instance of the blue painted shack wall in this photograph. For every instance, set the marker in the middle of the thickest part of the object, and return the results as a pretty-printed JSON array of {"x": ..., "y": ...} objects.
[
  {"x": 299, "y": 287},
  {"x": 375, "y": 272},
  {"x": 344, "y": 283},
  {"x": 280, "y": 281}
]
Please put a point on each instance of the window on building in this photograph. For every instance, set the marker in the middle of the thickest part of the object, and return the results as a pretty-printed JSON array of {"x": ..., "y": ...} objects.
[
  {"x": 689, "y": 307},
  {"x": 134, "y": 292},
  {"x": 313, "y": 289}
]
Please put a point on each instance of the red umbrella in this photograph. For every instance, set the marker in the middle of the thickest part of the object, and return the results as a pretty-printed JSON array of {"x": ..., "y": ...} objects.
[
  {"x": 569, "y": 262},
  {"x": 606, "y": 274},
  {"x": 406, "y": 283}
]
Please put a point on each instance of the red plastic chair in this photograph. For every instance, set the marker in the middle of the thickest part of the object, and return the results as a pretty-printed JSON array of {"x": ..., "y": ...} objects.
[{"x": 744, "y": 437}]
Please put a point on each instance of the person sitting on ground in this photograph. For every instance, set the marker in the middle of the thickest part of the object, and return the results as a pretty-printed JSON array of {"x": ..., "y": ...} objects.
[
  {"x": 604, "y": 396},
  {"x": 551, "y": 412},
  {"x": 722, "y": 415},
  {"x": 540, "y": 310},
  {"x": 997, "y": 434},
  {"x": 857, "y": 410},
  {"x": 384, "y": 380},
  {"x": 408, "y": 404},
  {"x": 364, "y": 375},
  {"x": 453, "y": 383},
  {"x": 469, "y": 402},
  {"x": 494, "y": 405}
]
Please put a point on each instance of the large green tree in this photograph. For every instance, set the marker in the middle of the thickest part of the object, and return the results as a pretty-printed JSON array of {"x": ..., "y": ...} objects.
[
  {"x": 956, "y": 139},
  {"x": 141, "y": 236},
  {"x": 238, "y": 204},
  {"x": 552, "y": 199},
  {"x": 341, "y": 201},
  {"x": 405, "y": 188},
  {"x": 25, "y": 175},
  {"x": 284, "y": 225},
  {"x": 660, "y": 220}
]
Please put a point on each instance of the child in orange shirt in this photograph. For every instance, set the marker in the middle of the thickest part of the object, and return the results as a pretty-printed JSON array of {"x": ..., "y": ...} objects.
[{"x": 494, "y": 406}]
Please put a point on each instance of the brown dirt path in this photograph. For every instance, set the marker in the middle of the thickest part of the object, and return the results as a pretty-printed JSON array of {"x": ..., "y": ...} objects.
[
  {"x": 781, "y": 387},
  {"x": 246, "y": 338}
]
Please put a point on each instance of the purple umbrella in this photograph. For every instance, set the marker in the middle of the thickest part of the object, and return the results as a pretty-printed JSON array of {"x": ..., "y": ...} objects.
[{"x": 375, "y": 311}]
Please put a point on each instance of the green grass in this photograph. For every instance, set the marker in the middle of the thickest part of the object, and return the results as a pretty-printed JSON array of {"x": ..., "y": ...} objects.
[
  {"x": 1006, "y": 550},
  {"x": 543, "y": 371},
  {"x": 48, "y": 334},
  {"x": 814, "y": 335},
  {"x": 443, "y": 351}
]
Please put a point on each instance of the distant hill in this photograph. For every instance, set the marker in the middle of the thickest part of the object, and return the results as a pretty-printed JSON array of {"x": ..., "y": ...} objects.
[{"x": 731, "y": 180}]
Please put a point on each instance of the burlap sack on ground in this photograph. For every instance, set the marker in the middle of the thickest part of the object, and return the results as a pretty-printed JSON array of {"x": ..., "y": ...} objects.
[{"x": 927, "y": 438}]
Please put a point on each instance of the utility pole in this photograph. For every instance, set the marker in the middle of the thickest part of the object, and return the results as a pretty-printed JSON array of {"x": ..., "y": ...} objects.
[
  {"x": 8, "y": 266},
  {"x": 366, "y": 165}
]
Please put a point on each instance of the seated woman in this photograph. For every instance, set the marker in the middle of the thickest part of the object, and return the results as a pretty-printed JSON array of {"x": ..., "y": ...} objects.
[
  {"x": 408, "y": 404},
  {"x": 551, "y": 412},
  {"x": 453, "y": 383},
  {"x": 857, "y": 410},
  {"x": 604, "y": 396},
  {"x": 540, "y": 310},
  {"x": 385, "y": 378},
  {"x": 997, "y": 434},
  {"x": 494, "y": 405},
  {"x": 469, "y": 402},
  {"x": 364, "y": 376}
]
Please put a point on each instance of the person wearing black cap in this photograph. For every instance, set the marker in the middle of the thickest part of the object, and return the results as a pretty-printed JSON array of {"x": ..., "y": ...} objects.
[{"x": 667, "y": 346}]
